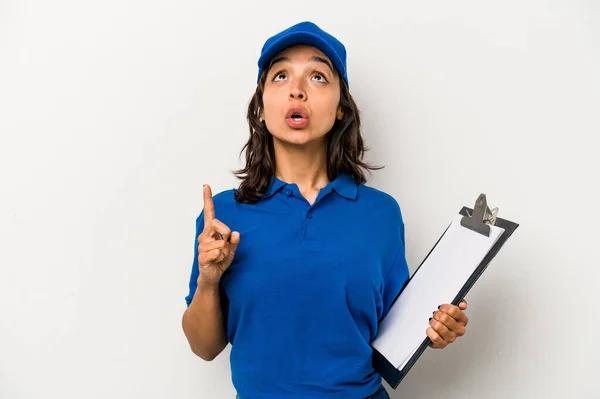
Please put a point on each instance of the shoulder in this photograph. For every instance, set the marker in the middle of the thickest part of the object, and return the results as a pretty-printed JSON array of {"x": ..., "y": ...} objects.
[
  {"x": 379, "y": 201},
  {"x": 224, "y": 203},
  {"x": 225, "y": 198},
  {"x": 377, "y": 197}
]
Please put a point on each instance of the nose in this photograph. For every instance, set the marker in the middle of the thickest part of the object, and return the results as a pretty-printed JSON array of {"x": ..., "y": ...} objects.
[{"x": 297, "y": 93}]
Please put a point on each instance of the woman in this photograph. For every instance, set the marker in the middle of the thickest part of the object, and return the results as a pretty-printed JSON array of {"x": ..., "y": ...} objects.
[{"x": 304, "y": 259}]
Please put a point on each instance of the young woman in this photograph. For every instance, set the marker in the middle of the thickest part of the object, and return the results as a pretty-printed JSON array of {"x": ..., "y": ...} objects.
[{"x": 297, "y": 266}]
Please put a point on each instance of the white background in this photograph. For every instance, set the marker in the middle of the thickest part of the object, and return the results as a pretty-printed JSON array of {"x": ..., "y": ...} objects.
[{"x": 114, "y": 113}]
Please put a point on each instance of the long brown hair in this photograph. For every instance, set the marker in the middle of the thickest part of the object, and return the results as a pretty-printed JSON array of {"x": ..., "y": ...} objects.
[{"x": 345, "y": 148}]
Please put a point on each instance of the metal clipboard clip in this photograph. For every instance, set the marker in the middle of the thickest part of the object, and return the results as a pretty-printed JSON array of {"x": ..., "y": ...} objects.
[{"x": 482, "y": 218}]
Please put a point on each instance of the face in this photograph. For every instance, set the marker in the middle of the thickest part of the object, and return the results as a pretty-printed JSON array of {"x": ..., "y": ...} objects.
[{"x": 301, "y": 96}]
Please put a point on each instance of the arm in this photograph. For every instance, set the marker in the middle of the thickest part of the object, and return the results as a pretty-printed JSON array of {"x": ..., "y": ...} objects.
[{"x": 203, "y": 322}]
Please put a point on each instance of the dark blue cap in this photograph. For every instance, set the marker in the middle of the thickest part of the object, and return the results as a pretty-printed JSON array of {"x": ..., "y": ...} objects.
[{"x": 305, "y": 33}]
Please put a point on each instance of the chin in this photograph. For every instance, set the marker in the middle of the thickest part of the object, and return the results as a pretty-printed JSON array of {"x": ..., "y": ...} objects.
[
  {"x": 300, "y": 137},
  {"x": 293, "y": 137}
]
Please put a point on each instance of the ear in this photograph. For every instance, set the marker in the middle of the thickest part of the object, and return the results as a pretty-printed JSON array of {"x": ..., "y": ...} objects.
[{"x": 340, "y": 113}]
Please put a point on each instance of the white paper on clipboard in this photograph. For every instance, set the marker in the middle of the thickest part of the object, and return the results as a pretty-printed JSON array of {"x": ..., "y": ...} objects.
[{"x": 437, "y": 281}]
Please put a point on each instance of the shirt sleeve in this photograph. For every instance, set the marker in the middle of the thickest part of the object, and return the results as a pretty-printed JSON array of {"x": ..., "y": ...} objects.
[
  {"x": 397, "y": 275},
  {"x": 193, "y": 283}
]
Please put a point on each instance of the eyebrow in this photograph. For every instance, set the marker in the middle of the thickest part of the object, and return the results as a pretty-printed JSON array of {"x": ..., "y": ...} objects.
[{"x": 315, "y": 58}]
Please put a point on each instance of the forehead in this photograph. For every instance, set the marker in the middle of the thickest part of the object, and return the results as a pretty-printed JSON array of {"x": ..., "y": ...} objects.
[{"x": 301, "y": 52}]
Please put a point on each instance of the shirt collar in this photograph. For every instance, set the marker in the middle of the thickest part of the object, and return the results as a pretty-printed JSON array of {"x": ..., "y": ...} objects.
[
  {"x": 274, "y": 187},
  {"x": 344, "y": 185}
]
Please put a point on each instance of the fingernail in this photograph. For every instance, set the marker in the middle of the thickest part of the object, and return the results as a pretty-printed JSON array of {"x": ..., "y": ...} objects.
[
  {"x": 430, "y": 318},
  {"x": 439, "y": 306}
]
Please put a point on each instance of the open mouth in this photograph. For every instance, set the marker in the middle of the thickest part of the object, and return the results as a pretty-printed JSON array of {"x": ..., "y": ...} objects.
[
  {"x": 297, "y": 113},
  {"x": 297, "y": 118}
]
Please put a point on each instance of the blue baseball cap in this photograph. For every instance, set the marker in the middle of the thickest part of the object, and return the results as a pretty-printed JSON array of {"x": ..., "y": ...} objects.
[{"x": 305, "y": 33}]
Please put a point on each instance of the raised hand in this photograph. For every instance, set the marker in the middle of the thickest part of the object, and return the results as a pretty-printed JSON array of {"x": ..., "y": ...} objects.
[{"x": 216, "y": 244}]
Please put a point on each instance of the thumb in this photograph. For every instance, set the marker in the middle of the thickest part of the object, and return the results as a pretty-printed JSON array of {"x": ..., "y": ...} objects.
[{"x": 234, "y": 239}]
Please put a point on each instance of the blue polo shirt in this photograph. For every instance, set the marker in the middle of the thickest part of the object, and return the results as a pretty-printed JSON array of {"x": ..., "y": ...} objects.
[{"x": 307, "y": 288}]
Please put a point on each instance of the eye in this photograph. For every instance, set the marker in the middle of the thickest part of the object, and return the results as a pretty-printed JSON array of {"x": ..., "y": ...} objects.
[
  {"x": 279, "y": 75},
  {"x": 319, "y": 77}
]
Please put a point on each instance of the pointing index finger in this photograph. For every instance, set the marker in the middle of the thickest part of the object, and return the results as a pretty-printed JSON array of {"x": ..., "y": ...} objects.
[{"x": 209, "y": 206}]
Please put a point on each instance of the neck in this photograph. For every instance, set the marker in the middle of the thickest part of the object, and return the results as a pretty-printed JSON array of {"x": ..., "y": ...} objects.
[{"x": 306, "y": 166}]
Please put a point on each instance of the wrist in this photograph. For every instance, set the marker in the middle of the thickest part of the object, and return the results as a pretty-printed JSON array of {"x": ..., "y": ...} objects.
[{"x": 207, "y": 285}]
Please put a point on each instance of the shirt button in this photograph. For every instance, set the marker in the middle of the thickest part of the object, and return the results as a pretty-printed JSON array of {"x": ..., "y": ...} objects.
[
  {"x": 288, "y": 191},
  {"x": 309, "y": 215}
]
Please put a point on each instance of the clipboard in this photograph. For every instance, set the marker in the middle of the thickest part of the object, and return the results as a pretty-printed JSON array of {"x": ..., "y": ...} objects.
[{"x": 474, "y": 237}]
